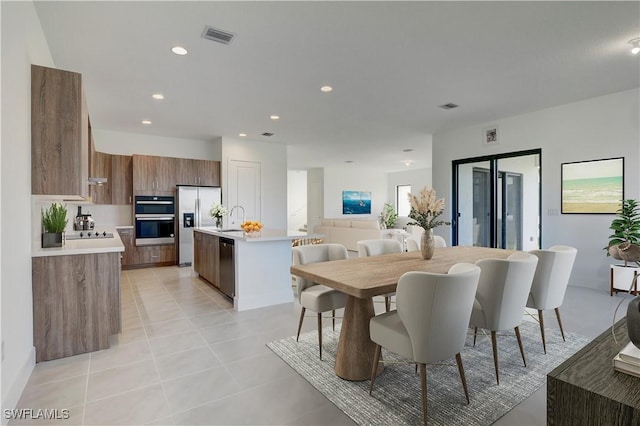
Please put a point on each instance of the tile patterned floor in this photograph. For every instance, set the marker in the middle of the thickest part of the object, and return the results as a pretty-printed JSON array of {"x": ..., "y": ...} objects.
[{"x": 186, "y": 357}]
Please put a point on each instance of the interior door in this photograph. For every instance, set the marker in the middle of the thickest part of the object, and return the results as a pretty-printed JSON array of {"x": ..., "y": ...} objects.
[{"x": 244, "y": 191}]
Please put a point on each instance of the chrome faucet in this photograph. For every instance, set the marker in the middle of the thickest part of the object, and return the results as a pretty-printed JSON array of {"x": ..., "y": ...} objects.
[{"x": 233, "y": 208}]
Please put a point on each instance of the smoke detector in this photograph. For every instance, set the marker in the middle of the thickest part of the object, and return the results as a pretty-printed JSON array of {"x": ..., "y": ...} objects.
[{"x": 215, "y": 34}]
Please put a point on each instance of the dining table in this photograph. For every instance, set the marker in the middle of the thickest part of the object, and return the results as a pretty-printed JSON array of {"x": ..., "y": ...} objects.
[{"x": 362, "y": 278}]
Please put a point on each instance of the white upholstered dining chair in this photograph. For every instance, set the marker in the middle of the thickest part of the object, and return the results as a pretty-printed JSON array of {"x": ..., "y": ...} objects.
[
  {"x": 315, "y": 297},
  {"x": 413, "y": 243},
  {"x": 550, "y": 282},
  {"x": 501, "y": 297},
  {"x": 378, "y": 247},
  {"x": 431, "y": 321}
]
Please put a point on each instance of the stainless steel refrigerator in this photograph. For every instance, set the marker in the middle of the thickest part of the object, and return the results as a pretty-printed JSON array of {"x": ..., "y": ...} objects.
[{"x": 194, "y": 203}]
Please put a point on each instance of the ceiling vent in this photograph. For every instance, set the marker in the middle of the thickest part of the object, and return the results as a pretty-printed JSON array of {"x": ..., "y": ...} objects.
[
  {"x": 450, "y": 105},
  {"x": 267, "y": 134},
  {"x": 218, "y": 35}
]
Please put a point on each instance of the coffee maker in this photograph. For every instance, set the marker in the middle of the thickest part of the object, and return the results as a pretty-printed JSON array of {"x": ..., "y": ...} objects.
[{"x": 83, "y": 222}]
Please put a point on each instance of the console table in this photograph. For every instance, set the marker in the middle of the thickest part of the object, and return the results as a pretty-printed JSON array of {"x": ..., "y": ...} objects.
[{"x": 586, "y": 390}]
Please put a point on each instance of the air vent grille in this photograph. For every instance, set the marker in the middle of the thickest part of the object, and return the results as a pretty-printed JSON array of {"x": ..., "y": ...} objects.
[
  {"x": 215, "y": 34},
  {"x": 267, "y": 134},
  {"x": 450, "y": 105}
]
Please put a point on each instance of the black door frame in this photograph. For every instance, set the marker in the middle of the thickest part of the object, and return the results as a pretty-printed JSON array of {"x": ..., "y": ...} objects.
[{"x": 493, "y": 191}]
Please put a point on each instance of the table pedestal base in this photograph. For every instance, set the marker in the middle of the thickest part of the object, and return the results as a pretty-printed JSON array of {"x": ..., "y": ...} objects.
[{"x": 356, "y": 351}]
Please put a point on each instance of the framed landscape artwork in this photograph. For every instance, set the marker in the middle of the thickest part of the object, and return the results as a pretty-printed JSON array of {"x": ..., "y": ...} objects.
[
  {"x": 595, "y": 186},
  {"x": 356, "y": 202}
]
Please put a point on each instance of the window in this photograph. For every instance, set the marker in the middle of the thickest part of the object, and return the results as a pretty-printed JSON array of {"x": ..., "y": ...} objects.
[{"x": 402, "y": 200}]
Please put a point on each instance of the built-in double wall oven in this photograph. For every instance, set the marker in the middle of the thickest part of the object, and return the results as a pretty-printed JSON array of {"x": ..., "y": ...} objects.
[{"x": 155, "y": 220}]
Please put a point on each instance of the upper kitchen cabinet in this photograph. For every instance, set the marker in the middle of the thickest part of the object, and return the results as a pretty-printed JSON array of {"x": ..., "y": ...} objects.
[
  {"x": 59, "y": 134},
  {"x": 198, "y": 172},
  {"x": 121, "y": 179},
  {"x": 154, "y": 174},
  {"x": 101, "y": 166}
]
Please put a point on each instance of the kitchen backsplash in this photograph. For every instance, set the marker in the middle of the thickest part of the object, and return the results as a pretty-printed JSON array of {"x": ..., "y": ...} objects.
[{"x": 104, "y": 216}]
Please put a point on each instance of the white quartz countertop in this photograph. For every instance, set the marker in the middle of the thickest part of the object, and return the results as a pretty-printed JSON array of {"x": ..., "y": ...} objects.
[
  {"x": 86, "y": 246},
  {"x": 264, "y": 235}
]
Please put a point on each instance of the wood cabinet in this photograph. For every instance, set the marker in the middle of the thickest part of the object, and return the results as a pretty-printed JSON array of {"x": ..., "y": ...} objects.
[
  {"x": 206, "y": 255},
  {"x": 154, "y": 174},
  {"x": 101, "y": 166},
  {"x": 76, "y": 303},
  {"x": 121, "y": 179},
  {"x": 129, "y": 257},
  {"x": 156, "y": 255},
  {"x": 197, "y": 172},
  {"x": 59, "y": 134}
]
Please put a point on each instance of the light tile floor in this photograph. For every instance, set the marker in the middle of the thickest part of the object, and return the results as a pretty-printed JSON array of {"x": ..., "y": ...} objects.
[{"x": 186, "y": 357}]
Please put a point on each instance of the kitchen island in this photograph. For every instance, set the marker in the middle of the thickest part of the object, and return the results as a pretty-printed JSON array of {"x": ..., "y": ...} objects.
[
  {"x": 76, "y": 296},
  {"x": 260, "y": 264}
]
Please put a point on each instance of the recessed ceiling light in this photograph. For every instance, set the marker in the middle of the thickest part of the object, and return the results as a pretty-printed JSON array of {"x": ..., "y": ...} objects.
[
  {"x": 326, "y": 89},
  {"x": 635, "y": 45},
  {"x": 179, "y": 50},
  {"x": 274, "y": 117},
  {"x": 146, "y": 122},
  {"x": 158, "y": 96},
  {"x": 242, "y": 135},
  {"x": 408, "y": 163}
]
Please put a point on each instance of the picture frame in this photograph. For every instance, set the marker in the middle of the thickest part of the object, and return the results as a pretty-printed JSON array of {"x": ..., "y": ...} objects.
[
  {"x": 592, "y": 186},
  {"x": 490, "y": 136},
  {"x": 356, "y": 202}
]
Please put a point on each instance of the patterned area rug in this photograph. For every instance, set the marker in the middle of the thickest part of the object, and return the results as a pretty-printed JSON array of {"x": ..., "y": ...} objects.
[{"x": 396, "y": 396}]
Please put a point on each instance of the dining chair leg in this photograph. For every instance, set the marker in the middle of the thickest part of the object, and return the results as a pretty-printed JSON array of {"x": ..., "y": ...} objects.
[
  {"x": 494, "y": 345},
  {"x": 462, "y": 376},
  {"x": 387, "y": 303},
  {"x": 423, "y": 382},
  {"x": 541, "y": 320},
  {"x": 475, "y": 334},
  {"x": 320, "y": 333},
  {"x": 517, "y": 329},
  {"x": 333, "y": 318},
  {"x": 560, "y": 322},
  {"x": 374, "y": 367},
  {"x": 300, "y": 323}
]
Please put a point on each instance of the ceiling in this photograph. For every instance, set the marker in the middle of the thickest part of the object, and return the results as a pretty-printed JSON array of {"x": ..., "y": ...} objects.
[{"x": 391, "y": 65}]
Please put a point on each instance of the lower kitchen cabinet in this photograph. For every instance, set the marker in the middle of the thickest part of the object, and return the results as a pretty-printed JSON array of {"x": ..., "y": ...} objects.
[
  {"x": 130, "y": 256},
  {"x": 76, "y": 303},
  {"x": 206, "y": 253},
  {"x": 157, "y": 255}
]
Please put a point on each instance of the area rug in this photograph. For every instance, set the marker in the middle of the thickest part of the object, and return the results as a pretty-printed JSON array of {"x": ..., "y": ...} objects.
[{"x": 396, "y": 398}]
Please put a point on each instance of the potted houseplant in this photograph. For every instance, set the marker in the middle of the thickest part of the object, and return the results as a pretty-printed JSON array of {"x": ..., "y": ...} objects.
[
  {"x": 624, "y": 244},
  {"x": 54, "y": 221},
  {"x": 388, "y": 217}
]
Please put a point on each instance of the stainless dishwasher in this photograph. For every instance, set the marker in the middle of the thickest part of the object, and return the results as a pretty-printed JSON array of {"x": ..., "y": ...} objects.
[{"x": 227, "y": 267}]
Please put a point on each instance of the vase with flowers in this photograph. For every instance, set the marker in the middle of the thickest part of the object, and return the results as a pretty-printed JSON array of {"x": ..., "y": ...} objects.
[
  {"x": 217, "y": 212},
  {"x": 425, "y": 212}
]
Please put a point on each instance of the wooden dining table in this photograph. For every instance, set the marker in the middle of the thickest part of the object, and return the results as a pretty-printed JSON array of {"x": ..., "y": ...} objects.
[{"x": 365, "y": 277}]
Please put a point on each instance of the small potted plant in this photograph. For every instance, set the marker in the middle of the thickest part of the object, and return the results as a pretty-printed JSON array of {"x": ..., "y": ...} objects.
[
  {"x": 54, "y": 222},
  {"x": 624, "y": 244},
  {"x": 217, "y": 212},
  {"x": 388, "y": 217}
]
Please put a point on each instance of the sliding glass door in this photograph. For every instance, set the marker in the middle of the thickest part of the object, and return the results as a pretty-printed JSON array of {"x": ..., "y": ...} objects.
[{"x": 497, "y": 201}]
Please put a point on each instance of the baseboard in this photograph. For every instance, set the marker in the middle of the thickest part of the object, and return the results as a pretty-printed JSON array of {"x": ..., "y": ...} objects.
[{"x": 10, "y": 400}]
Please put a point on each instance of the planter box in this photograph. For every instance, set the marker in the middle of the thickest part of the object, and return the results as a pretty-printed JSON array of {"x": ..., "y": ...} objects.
[
  {"x": 51, "y": 239},
  {"x": 621, "y": 278}
]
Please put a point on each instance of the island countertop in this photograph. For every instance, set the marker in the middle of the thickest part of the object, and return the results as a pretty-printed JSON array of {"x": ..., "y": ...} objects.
[
  {"x": 264, "y": 235},
  {"x": 83, "y": 246}
]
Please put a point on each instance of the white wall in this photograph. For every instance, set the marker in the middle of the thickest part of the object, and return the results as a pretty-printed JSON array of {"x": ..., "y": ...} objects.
[
  {"x": 273, "y": 160},
  {"x": 337, "y": 180},
  {"x": 122, "y": 143},
  {"x": 296, "y": 199},
  {"x": 418, "y": 179},
  {"x": 602, "y": 127},
  {"x": 315, "y": 197},
  {"x": 23, "y": 43}
]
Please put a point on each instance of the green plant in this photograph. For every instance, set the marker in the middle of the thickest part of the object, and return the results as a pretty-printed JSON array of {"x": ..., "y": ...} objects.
[
  {"x": 54, "y": 219},
  {"x": 625, "y": 226},
  {"x": 388, "y": 217}
]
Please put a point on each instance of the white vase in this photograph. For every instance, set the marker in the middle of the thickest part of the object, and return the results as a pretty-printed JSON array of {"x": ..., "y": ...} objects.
[{"x": 427, "y": 245}]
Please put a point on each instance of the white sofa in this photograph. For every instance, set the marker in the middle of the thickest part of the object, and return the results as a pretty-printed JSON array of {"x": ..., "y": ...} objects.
[{"x": 349, "y": 231}]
